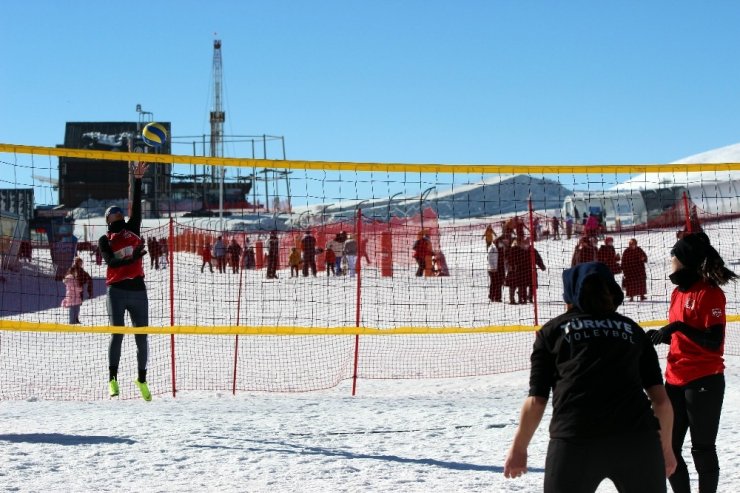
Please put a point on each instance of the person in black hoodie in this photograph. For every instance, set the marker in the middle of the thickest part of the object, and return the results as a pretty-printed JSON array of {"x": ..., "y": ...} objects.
[{"x": 599, "y": 366}]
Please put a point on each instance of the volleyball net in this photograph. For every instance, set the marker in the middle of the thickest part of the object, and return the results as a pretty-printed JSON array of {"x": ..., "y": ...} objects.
[{"x": 405, "y": 284}]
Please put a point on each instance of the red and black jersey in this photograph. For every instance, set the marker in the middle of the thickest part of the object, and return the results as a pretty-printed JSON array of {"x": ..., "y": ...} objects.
[
  {"x": 122, "y": 245},
  {"x": 701, "y": 306},
  {"x": 117, "y": 249}
]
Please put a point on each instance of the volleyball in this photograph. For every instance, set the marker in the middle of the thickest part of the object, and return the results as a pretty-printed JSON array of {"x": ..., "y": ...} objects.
[{"x": 154, "y": 134}]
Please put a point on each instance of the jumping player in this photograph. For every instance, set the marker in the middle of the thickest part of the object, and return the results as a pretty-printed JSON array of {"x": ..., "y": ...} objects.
[{"x": 122, "y": 248}]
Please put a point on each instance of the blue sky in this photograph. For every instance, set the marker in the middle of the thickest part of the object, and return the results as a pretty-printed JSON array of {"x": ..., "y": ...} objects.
[{"x": 478, "y": 82}]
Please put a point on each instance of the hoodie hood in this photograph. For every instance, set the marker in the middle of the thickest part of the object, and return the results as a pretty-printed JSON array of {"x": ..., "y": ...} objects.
[{"x": 574, "y": 278}]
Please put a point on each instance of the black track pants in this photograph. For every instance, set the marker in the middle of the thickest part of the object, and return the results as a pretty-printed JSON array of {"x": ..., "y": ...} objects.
[{"x": 697, "y": 407}]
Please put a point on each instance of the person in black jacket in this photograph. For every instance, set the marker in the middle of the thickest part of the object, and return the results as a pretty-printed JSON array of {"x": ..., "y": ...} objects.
[{"x": 599, "y": 366}]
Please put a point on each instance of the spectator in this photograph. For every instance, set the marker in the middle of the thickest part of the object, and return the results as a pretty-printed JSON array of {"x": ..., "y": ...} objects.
[
  {"x": 308, "y": 246},
  {"x": 273, "y": 255},
  {"x": 205, "y": 254},
  {"x": 163, "y": 252},
  {"x": 422, "y": 249},
  {"x": 568, "y": 226},
  {"x": 336, "y": 252},
  {"x": 363, "y": 250},
  {"x": 350, "y": 252},
  {"x": 532, "y": 274},
  {"x": 519, "y": 225},
  {"x": 339, "y": 240},
  {"x": 250, "y": 262},
  {"x": 516, "y": 273},
  {"x": 585, "y": 252},
  {"x": 694, "y": 374},
  {"x": 294, "y": 261},
  {"x": 75, "y": 282},
  {"x": 633, "y": 266},
  {"x": 441, "y": 264},
  {"x": 591, "y": 227},
  {"x": 493, "y": 264},
  {"x": 330, "y": 259},
  {"x": 153, "y": 248},
  {"x": 555, "y": 226},
  {"x": 488, "y": 235},
  {"x": 219, "y": 252},
  {"x": 509, "y": 229},
  {"x": 234, "y": 252},
  {"x": 537, "y": 233},
  {"x": 609, "y": 256},
  {"x": 604, "y": 382}
]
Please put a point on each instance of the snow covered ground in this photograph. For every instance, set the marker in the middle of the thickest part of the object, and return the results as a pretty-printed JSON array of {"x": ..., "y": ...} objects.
[
  {"x": 396, "y": 435},
  {"x": 409, "y": 436}
]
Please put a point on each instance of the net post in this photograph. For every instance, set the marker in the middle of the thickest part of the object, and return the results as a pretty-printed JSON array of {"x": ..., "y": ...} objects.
[
  {"x": 686, "y": 212},
  {"x": 171, "y": 255},
  {"x": 532, "y": 259},
  {"x": 238, "y": 312},
  {"x": 358, "y": 228}
]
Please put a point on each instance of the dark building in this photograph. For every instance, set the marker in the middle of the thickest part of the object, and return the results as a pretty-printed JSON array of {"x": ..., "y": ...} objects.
[
  {"x": 82, "y": 179},
  {"x": 18, "y": 201}
]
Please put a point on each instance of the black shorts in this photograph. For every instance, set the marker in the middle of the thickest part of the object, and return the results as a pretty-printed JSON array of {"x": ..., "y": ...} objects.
[{"x": 634, "y": 463}]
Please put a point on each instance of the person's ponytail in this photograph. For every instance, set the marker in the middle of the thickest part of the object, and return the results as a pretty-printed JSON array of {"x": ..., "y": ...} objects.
[{"x": 714, "y": 271}]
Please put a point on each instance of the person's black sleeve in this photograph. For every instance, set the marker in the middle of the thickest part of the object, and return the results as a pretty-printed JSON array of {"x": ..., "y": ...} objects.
[
  {"x": 134, "y": 222},
  {"x": 650, "y": 372},
  {"x": 542, "y": 372},
  {"x": 110, "y": 259},
  {"x": 710, "y": 338},
  {"x": 538, "y": 260}
]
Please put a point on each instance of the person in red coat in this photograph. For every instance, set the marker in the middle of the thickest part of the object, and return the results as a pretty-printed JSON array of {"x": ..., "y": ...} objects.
[
  {"x": 539, "y": 263},
  {"x": 609, "y": 256},
  {"x": 517, "y": 272},
  {"x": 422, "y": 249},
  {"x": 273, "y": 255},
  {"x": 585, "y": 252},
  {"x": 205, "y": 254},
  {"x": 234, "y": 252},
  {"x": 633, "y": 266}
]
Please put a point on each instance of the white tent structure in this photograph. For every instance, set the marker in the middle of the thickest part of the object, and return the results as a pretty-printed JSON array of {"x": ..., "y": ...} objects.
[{"x": 650, "y": 196}]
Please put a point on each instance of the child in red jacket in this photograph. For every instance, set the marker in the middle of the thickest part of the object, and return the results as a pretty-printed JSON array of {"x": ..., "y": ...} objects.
[{"x": 331, "y": 260}]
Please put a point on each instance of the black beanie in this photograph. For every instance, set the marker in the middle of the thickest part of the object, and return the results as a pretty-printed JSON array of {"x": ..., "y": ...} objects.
[{"x": 693, "y": 249}]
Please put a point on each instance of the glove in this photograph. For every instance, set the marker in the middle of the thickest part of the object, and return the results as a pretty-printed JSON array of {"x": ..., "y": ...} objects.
[
  {"x": 661, "y": 336},
  {"x": 139, "y": 252}
]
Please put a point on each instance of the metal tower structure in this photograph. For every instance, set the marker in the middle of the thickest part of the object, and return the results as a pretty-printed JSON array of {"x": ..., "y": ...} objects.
[{"x": 218, "y": 116}]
